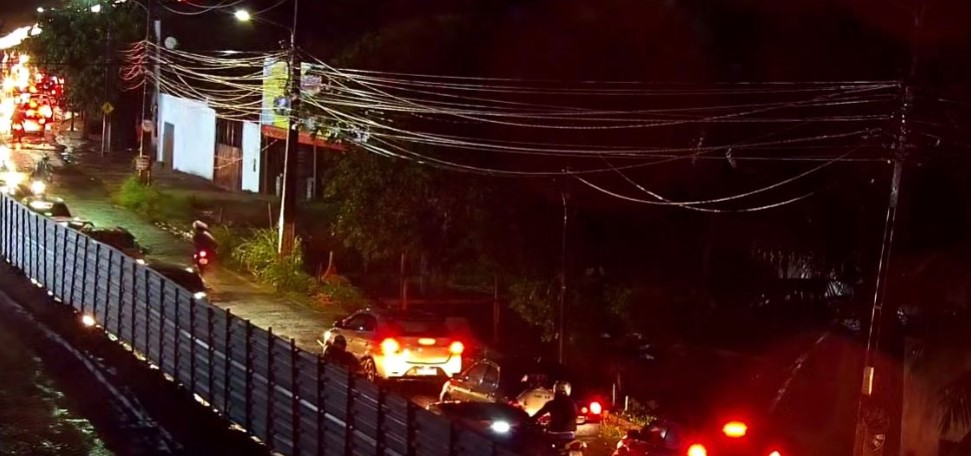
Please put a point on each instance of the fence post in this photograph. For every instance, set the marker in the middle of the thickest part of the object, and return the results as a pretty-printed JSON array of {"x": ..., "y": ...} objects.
[
  {"x": 121, "y": 295},
  {"x": 249, "y": 376},
  {"x": 295, "y": 403},
  {"x": 148, "y": 311},
  {"x": 321, "y": 406},
  {"x": 211, "y": 354},
  {"x": 56, "y": 281},
  {"x": 380, "y": 441},
  {"x": 97, "y": 277},
  {"x": 270, "y": 384},
  {"x": 43, "y": 254},
  {"x": 192, "y": 342},
  {"x": 410, "y": 428},
  {"x": 177, "y": 335},
  {"x": 84, "y": 275},
  {"x": 161, "y": 325},
  {"x": 349, "y": 415},
  {"x": 227, "y": 360}
]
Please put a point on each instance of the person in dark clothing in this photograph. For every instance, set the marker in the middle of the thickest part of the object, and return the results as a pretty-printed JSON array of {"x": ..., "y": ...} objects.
[
  {"x": 561, "y": 409},
  {"x": 336, "y": 353},
  {"x": 202, "y": 239}
]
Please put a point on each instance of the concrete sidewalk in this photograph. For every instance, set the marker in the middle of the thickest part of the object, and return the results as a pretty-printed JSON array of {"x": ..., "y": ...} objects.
[{"x": 86, "y": 186}]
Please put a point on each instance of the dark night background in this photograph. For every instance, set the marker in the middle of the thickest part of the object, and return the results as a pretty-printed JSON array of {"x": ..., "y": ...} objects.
[{"x": 695, "y": 277}]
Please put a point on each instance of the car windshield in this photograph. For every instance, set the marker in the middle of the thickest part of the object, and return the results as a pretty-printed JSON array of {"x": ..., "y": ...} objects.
[
  {"x": 485, "y": 411},
  {"x": 118, "y": 239}
]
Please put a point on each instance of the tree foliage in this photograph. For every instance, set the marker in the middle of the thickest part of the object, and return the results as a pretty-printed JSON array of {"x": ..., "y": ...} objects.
[{"x": 80, "y": 45}]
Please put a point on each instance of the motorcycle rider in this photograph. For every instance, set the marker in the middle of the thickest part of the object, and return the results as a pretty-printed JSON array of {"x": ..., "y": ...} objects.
[
  {"x": 562, "y": 411},
  {"x": 203, "y": 241},
  {"x": 336, "y": 353}
]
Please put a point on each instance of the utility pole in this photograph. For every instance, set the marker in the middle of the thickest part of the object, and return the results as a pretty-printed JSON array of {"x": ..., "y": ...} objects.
[
  {"x": 106, "y": 115},
  {"x": 288, "y": 204},
  {"x": 146, "y": 106},
  {"x": 561, "y": 314},
  {"x": 864, "y": 442}
]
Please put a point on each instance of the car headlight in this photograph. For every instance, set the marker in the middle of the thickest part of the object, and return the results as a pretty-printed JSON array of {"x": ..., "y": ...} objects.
[
  {"x": 38, "y": 187},
  {"x": 500, "y": 427}
]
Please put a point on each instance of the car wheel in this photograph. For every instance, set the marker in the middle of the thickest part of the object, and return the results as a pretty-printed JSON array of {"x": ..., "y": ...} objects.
[{"x": 370, "y": 370}]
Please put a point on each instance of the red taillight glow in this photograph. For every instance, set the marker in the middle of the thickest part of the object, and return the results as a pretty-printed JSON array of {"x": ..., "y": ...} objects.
[
  {"x": 456, "y": 348},
  {"x": 389, "y": 346},
  {"x": 697, "y": 450},
  {"x": 203, "y": 254},
  {"x": 596, "y": 408},
  {"x": 775, "y": 453},
  {"x": 426, "y": 341},
  {"x": 735, "y": 429}
]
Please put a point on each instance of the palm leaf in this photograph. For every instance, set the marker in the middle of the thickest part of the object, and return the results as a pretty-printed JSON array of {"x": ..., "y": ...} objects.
[{"x": 955, "y": 403}]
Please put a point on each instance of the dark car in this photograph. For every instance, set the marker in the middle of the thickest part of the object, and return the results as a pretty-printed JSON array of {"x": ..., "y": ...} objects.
[
  {"x": 727, "y": 436},
  {"x": 185, "y": 277},
  {"x": 119, "y": 238},
  {"x": 503, "y": 422},
  {"x": 526, "y": 383}
]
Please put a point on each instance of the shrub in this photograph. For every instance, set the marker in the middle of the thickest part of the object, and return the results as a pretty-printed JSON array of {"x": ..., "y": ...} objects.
[
  {"x": 151, "y": 203},
  {"x": 337, "y": 290}
]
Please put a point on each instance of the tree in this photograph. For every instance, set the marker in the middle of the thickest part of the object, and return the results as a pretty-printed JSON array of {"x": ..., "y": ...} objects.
[{"x": 73, "y": 45}]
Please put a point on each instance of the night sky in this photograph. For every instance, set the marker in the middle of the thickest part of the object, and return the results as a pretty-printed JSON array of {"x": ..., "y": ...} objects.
[{"x": 15, "y": 14}]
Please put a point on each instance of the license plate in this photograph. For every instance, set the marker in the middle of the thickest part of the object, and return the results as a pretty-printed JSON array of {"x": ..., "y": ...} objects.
[
  {"x": 575, "y": 453},
  {"x": 203, "y": 261},
  {"x": 426, "y": 371}
]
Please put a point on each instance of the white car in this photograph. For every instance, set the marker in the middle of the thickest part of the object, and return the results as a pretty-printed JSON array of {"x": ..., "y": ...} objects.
[{"x": 394, "y": 344}]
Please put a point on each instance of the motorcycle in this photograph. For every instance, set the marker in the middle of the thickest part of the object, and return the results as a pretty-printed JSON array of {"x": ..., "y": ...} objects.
[{"x": 202, "y": 259}]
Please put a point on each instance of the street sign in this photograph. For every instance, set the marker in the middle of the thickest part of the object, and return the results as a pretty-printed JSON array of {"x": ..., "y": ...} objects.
[
  {"x": 107, "y": 108},
  {"x": 142, "y": 163}
]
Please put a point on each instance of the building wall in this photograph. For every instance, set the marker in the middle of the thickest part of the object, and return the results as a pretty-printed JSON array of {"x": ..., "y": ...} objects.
[
  {"x": 252, "y": 145},
  {"x": 194, "y": 142}
]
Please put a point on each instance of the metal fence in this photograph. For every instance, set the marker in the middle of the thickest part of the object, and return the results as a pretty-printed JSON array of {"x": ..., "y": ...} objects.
[{"x": 286, "y": 397}]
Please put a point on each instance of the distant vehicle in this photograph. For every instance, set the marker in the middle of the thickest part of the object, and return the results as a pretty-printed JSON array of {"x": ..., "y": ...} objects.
[
  {"x": 525, "y": 383},
  {"x": 395, "y": 344},
  {"x": 504, "y": 422},
  {"x": 56, "y": 210},
  {"x": 728, "y": 437},
  {"x": 118, "y": 238},
  {"x": 183, "y": 276}
]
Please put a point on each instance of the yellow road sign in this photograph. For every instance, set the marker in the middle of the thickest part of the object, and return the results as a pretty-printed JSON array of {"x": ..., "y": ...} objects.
[{"x": 107, "y": 108}]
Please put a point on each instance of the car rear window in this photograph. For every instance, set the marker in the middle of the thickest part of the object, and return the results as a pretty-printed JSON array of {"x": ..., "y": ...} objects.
[
  {"x": 117, "y": 239},
  {"x": 59, "y": 210},
  {"x": 188, "y": 280},
  {"x": 420, "y": 327}
]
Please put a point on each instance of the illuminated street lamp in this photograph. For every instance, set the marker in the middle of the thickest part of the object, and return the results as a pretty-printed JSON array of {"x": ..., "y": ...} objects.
[
  {"x": 96, "y": 8},
  {"x": 40, "y": 10},
  {"x": 242, "y": 15}
]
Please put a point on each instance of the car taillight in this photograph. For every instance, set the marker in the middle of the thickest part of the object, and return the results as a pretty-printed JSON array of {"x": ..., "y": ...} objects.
[
  {"x": 775, "y": 453},
  {"x": 697, "y": 450},
  {"x": 389, "y": 346},
  {"x": 426, "y": 341},
  {"x": 734, "y": 429},
  {"x": 456, "y": 348},
  {"x": 596, "y": 408},
  {"x": 202, "y": 254}
]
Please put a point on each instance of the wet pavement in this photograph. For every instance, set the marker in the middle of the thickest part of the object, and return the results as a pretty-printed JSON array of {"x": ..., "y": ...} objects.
[{"x": 35, "y": 416}]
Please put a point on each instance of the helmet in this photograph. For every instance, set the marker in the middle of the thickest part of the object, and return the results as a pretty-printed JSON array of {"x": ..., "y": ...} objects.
[
  {"x": 199, "y": 226},
  {"x": 562, "y": 387},
  {"x": 339, "y": 341}
]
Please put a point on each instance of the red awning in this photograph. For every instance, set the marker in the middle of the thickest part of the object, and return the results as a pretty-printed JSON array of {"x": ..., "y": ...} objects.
[{"x": 278, "y": 133}]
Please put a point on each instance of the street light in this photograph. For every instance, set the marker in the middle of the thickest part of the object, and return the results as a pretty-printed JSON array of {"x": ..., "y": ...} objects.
[
  {"x": 288, "y": 196},
  {"x": 40, "y": 10},
  {"x": 242, "y": 15},
  {"x": 96, "y": 8}
]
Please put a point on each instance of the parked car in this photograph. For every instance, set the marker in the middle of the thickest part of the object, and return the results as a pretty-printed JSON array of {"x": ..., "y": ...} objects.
[
  {"x": 504, "y": 422},
  {"x": 184, "y": 276},
  {"x": 56, "y": 209},
  {"x": 396, "y": 344},
  {"x": 526, "y": 383},
  {"x": 118, "y": 238},
  {"x": 729, "y": 437}
]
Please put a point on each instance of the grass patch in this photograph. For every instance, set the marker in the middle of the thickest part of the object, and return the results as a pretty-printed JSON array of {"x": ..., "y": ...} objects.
[
  {"x": 256, "y": 254},
  {"x": 151, "y": 203}
]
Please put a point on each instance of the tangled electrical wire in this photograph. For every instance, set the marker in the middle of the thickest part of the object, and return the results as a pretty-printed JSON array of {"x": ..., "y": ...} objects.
[{"x": 531, "y": 128}]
